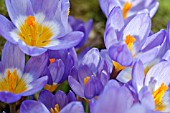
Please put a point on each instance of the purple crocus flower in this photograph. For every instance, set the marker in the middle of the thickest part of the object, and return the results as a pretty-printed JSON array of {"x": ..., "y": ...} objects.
[
  {"x": 129, "y": 40},
  {"x": 60, "y": 64},
  {"x": 90, "y": 76},
  {"x": 116, "y": 99},
  {"x": 49, "y": 103},
  {"x": 16, "y": 79},
  {"x": 79, "y": 25},
  {"x": 129, "y": 7},
  {"x": 153, "y": 88},
  {"x": 38, "y": 25}
]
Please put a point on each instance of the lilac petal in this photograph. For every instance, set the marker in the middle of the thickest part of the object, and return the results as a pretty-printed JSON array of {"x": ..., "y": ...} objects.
[
  {"x": 154, "y": 8},
  {"x": 26, "y": 8},
  {"x": 13, "y": 15},
  {"x": 5, "y": 28},
  {"x": 125, "y": 75},
  {"x": 139, "y": 27},
  {"x": 154, "y": 40},
  {"x": 32, "y": 106},
  {"x": 104, "y": 77},
  {"x": 13, "y": 57},
  {"x": 111, "y": 84},
  {"x": 160, "y": 73},
  {"x": 36, "y": 65},
  {"x": 71, "y": 96},
  {"x": 57, "y": 70},
  {"x": 108, "y": 5},
  {"x": 110, "y": 37},
  {"x": 135, "y": 109},
  {"x": 46, "y": 72},
  {"x": 74, "y": 73},
  {"x": 47, "y": 7},
  {"x": 120, "y": 53},
  {"x": 73, "y": 107},
  {"x": 2, "y": 67},
  {"x": 83, "y": 72},
  {"x": 76, "y": 86},
  {"x": 8, "y": 97},
  {"x": 167, "y": 56},
  {"x": 68, "y": 41},
  {"x": 146, "y": 98},
  {"x": 60, "y": 99},
  {"x": 115, "y": 19},
  {"x": 32, "y": 51},
  {"x": 91, "y": 59},
  {"x": 93, "y": 88},
  {"x": 138, "y": 76},
  {"x": 36, "y": 86},
  {"x": 46, "y": 98}
]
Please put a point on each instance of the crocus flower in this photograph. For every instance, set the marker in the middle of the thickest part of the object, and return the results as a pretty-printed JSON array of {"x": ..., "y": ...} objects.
[
  {"x": 116, "y": 99},
  {"x": 90, "y": 76},
  {"x": 16, "y": 79},
  {"x": 129, "y": 7},
  {"x": 38, "y": 25},
  {"x": 129, "y": 40},
  {"x": 49, "y": 103},
  {"x": 157, "y": 80},
  {"x": 79, "y": 25},
  {"x": 60, "y": 64}
]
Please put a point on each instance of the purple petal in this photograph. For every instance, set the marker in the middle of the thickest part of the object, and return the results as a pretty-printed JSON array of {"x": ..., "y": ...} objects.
[
  {"x": 76, "y": 86},
  {"x": 91, "y": 59},
  {"x": 115, "y": 19},
  {"x": 110, "y": 37},
  {"x": 154, "y": 8},
  {"x": 57, "y": 70},
  {"x": 146, "y": 98},
  {"x": 93, "y": 88},
  {"x": 5, "y": 28},
  {"x": 46, "y": 98},
  {"x": 68, "y": 41},
  {"x": 139, "y": 27},
  {"x": 32, "y": 106},
  {"x": 120, "y": 53},
  {"x": 8, "y": 97},
  {"x": 13, "y": 57},
  {"x": 71, "y": 96},
  {"x": 61, "y": 99},
  {"x": 138, "y": 76},
  {"x": 73, "y": 107},
  {"x": 49, "y": 8},
  {"x": 160, "y": 73},
  {"x": 125, "y": 75},
  {"x": 36, "y": 65},
  {"x": 36, "y": 86}
]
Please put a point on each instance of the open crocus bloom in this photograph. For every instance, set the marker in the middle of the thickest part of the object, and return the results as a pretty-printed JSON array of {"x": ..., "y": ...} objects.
[
  {"x": 154, "y": 87},
  {"x": 129, "y": 7},
  {"x": 16, "y": 79},
  {"x": 38, "y": 25},
  {"x": 129, "y": 40},
  {"x": 58, "y": 103}
]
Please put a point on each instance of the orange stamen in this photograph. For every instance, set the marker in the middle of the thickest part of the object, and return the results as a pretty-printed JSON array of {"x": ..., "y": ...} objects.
[{"x": 126, "y": 9}]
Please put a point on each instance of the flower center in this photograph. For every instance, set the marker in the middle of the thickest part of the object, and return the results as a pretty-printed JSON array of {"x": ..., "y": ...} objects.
[
  {"x": 157, "y": 95},
  {"x": 12, "y": 83},
  {"x": 86, "y": 80},
  {"x": 34, "y": 33},
  {"x": 52, "y": 60},
  {"x": 50, "y": 88},
  {"x": 127, "y": 6},
  {"x": 56, "y": 109},
  {"x": 129, "y": 41}
]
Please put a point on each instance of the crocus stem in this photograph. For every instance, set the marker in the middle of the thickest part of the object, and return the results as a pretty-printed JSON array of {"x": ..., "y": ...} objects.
[{"x": 12, "y": 107}]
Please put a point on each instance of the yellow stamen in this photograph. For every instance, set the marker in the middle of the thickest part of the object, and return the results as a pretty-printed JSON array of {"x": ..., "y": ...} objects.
[
  {"x": 35, "y": 34},
  {"x": 126, "y": 9},
  {"x": 86, "y": 80},
  {"x": 56, "y": 109},
  {"x": 52, "y": 60},
  {"x": 68, "y": 11},
  {"x": 157, "y": 95},
  {"x": 12, "y": 83},
  {"x": 118, "y": 67},
  {"x": 50, "y": 88},
  {"x": 129, "y": 41}
]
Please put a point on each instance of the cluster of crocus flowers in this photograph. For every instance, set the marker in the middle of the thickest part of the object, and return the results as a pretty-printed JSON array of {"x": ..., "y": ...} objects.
[{"x": 45, "y": 69}]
